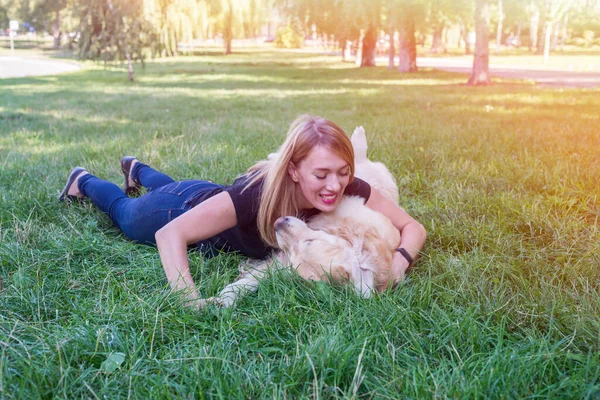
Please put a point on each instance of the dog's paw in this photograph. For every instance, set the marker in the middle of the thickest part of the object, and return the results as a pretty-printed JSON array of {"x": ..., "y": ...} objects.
[
  {"x": 201, "y": 303},
  {"x": 359, "y": 130},
  {"x": 359, "y": 136},
  {"x": 359, "y": 143}
]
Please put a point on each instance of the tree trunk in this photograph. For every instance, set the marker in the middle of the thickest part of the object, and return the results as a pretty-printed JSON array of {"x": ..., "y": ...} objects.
[
  {"x": 368, "y": 48},
  {"x": 407, "y": 55},
  {"x": 541, "y": 44},
  {"x": 563, "y": 35},
  {"x": 129, "y": 63},
  {"x": 358, "y": 59},
  {"x": 555, "y": 35},
  {"x": 437, "y": 43},
  {"x": 228, "y": 45},
  {"x": 534, "y": 23},
  {"x": 56, "y": 30},
  {"x": 481, "y": 60},
  {"x": 499, "y": 30},
  {"x": 344, "y": 46},
  {"x": 392, "y": 53},
  {"x": 174, "y": 43},
  {"x": 464, "y": 33},
  {"x": 228, "y": 34},
  {"x": 547, "y": 39}
]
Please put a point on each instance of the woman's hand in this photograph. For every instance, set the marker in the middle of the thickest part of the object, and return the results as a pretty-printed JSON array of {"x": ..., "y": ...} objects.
[
  {"x": 207, "y": 219},
  {"x": 400, "y": 267}
]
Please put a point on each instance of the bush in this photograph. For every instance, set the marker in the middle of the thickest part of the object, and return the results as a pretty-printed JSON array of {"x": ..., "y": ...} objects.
[
  {"x": 588, "y": 39},
  {"x": 588, "y": 36},
  {"x": 578, "y": 41},
  {"x": 289, "y": 37}
]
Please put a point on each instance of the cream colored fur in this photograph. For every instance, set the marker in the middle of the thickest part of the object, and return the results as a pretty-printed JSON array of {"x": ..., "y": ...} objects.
[
  {"x": 375, "y": 173},
  {"x": 352, "y": 244}
]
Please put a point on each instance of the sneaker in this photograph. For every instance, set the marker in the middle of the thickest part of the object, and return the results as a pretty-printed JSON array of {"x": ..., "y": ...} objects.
[
  {"x": 126, "y": 169},
  {"x": 64, "y": 195}
]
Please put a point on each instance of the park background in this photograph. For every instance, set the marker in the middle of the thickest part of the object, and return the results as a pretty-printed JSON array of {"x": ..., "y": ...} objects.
[{"x": 503, "y": 174}]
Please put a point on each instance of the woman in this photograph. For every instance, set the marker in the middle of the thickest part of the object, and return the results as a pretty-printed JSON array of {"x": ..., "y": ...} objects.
[{"x": 313, "y": 169}]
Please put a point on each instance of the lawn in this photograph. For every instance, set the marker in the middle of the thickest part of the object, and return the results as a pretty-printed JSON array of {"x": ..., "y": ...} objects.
[{"x": 504, "y": 302}]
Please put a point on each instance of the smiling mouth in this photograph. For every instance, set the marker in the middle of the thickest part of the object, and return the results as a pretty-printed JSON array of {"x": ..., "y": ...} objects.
[{"x": 328, "y": 198}]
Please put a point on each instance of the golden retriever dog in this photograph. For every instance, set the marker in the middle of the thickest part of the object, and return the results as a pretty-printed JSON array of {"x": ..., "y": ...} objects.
[{"x": 352, "y": 244}]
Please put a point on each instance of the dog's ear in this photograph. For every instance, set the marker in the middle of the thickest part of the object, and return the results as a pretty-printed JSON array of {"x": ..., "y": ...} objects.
[
  {"x": 339, "y": 273},
  {"x": 362, "y": 275},
  {"x": 281, "y": 258},
  {"x": 363, "y": 278}
]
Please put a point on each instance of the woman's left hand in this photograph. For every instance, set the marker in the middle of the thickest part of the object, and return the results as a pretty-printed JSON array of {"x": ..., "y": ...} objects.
[
  {"x": 412, "y": 233},
  {"x": 400, "y": 266}
]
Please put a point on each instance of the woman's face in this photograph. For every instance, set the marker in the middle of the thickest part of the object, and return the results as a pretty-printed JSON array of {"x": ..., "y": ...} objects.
[{"x": 321, "y": 179}]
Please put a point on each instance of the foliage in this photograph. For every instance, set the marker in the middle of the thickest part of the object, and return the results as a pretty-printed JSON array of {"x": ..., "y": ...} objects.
[
  {"x": 44, "y": 12},
  {"x": 289, "y": 37},
  {"x": 585, "y": 18},
  {"x": 112, "y": 29},
  {"x": 4, "y": 7},
  {"x": 503, "y": 303},
  {"x": 171, "y": 22},
  {"x": 341, "y": 18},
  {"x": 176, "y": 20}
]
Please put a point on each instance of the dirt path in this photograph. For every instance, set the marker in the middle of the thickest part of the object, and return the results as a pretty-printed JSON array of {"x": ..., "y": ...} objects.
[
  {"x": 546, "y": 77},
  {"x": 18, "y": 67}
]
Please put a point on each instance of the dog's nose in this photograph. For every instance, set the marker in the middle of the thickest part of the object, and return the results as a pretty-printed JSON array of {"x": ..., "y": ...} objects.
[{"x": 281, "y": 222}]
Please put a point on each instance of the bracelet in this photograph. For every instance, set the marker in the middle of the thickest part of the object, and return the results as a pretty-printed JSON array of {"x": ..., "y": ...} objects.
[{"x": 406, "y": 255}]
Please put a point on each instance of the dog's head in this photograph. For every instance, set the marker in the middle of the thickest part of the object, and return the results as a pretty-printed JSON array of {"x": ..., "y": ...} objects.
[
  {"x": 315, "y": 254},
  {"x": 369, "y": 254},
  {"x": 345, "y": 251}
]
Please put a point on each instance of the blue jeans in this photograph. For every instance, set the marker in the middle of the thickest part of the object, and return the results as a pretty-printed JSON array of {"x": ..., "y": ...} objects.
[{"x": 140, "y": 218}]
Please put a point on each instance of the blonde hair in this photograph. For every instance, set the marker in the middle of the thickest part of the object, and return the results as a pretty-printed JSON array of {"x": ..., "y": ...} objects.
[{"x": 278, "y": 196}]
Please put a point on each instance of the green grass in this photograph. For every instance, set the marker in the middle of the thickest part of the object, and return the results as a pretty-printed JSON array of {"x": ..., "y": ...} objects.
[{"x": 503, "y": 304}]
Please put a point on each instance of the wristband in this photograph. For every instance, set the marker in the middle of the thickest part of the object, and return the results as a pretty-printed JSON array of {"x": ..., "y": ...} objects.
[{"x": 406, "y": 255}]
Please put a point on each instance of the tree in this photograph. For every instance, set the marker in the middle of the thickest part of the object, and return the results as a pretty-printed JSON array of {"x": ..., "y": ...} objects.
[
  {"x": 228, "y": 26},
  {"x": 553, "y": 12},
  {"x": 236, "y": 18},
  {"x": 172, "y": 21},
  {"x": 47, "y": 17},
  {"x": 392, "y": 33},
  {"x": 113, "y": 30},
  {"x": 515, "y": 13},
  {"x": 369, "y": 45},
  {"x": 481, "y": 59},
  {"x": 440, "y": 16},
  {"x": 582, "y": 19},
  {"x": 437, "y": 20},
  {"x": 407, "y": 52},
  {"x": 345, "y": 19},
  {"x": 4, "y": 7},
  {"x": 499, "y": 27},
  {"x": 403, "y": 16}
]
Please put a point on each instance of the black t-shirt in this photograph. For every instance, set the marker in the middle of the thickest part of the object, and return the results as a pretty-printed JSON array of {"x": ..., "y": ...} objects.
[{"x": 245, "y": 237}]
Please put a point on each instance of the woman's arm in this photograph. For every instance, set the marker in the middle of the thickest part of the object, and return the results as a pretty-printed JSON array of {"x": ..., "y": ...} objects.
[
  {"x": 412, "y": 233},
  {"x": 207, "y": 219}
]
